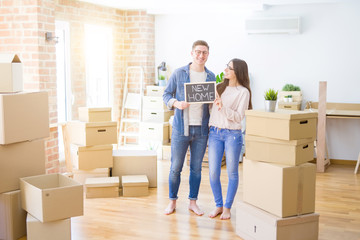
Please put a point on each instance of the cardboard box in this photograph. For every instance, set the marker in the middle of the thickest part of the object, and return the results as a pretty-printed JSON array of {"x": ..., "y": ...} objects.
[
  {"x": 155, "y": 91},
  {"x": 166, "y": 151},
  {"x": 11, "y": 73},
  {"x": 55, "y": 230},
  {"x": 107, "y": 187},
  {"x": 87, "y": 114},
  {"x": 135, "y": 162},
  {"x": 19, "y": 160},
  {"x": 161, "y": 116},
  {"x": 23, "y": 116},
  {"x": 280, "y": 189},
  {"x": 253, "y": 223},
  {"x": 12, "y": 216},
  {"x": 281, "y": 124},
  {"x": 51, "y": 197},
  {"x": 90, "y": 134},
  {"x": 88, "y": 158},
  {"x": 154, "y": 131},
  {"x": 81, "y": 175},
  {"x": 293, "y": 152},
  {"x": 155, "y": 103},
  {"x": 135, "y": 185}
]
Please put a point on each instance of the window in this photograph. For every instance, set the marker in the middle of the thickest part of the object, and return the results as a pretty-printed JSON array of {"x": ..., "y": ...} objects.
[
  {"x": 98, "y": 52},
  {"x": 64, "y": 95}
]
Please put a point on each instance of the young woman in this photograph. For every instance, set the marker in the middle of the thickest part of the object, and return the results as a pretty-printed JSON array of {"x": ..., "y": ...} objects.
[{"x": 233, "y": 98}]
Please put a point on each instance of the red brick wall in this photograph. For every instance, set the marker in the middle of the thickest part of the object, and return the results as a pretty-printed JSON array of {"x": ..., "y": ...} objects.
[{"x": 22, "y": 30}]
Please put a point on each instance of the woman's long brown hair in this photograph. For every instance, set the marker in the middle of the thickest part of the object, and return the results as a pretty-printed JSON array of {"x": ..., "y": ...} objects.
[{"x": 242, "y": 76}]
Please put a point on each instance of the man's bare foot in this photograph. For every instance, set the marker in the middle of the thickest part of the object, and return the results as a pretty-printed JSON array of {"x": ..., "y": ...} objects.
[
  {"x": 170, "y": 208},
  {"x": 194, "y": 207},
  {"x": 216, "y": 212},
  {"x": 226, "y": 214}
]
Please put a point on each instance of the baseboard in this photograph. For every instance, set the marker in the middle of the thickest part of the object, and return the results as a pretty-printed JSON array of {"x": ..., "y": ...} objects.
[{"x": 340, "y": 162}]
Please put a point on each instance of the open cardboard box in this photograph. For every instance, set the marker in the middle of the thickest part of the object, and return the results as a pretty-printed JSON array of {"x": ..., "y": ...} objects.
[{"x": 52, "y": 197}]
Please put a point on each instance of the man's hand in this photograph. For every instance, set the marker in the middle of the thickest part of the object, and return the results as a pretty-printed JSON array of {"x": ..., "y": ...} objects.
[{"x": 181, "y": 104}]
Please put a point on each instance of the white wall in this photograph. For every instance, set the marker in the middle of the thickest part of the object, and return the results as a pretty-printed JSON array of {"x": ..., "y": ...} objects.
[{"x": 328, "y": 49}]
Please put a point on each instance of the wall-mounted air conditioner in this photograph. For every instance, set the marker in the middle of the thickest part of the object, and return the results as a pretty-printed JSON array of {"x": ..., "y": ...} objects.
[{"x": 274, "y": 25}]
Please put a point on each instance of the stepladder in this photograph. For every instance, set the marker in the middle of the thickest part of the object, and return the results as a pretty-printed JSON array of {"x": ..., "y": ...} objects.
[{"x": 131, "y": 107}]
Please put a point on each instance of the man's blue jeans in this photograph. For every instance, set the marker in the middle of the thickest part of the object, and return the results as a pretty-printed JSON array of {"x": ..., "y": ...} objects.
[
  {"x": 231, "y": 142},
  {"x": 179, "y": 146}
]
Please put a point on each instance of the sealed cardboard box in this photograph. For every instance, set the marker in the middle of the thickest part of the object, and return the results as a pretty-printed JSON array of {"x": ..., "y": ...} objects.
[
  {"x": 11, "y": 73},
  {"x": 161, "y": 116},
  {"x": 253, "y": 223},
  {"x": 81, "y": 175},
  {"x": 135, "y": 162},
  {"x": 23, "y": 116},
  {"x": 55, "y": 230},
  {"x": 87, "y": 114},
  {"x": 12, "y": 216},
  {"x": 88, "y": 158},
  {"x": 90, "y": 134},
  {"x": 107, "y": 187},
  {"x": 166, "y": 151},
  {"x": 154, "y": 131},
  {"x": 281, "y": 124},
  {"x": 293, "y": 152},
  {"x": 135, "y": 185},
  {"x": 155, "y": 103},
  {"x": 155, "y": 91},
  {"x": 280, "y": 189},
  {"x": 51, "y": 197},
  {"x": 19, "y": 160}
]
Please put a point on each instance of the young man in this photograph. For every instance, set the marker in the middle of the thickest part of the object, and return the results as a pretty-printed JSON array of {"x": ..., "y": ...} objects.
[{"x": 190, "y": 125}]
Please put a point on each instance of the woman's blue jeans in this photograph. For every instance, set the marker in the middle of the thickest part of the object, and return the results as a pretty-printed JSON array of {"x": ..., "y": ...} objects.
[
  {"x": 179, "y": 146},
  {"x": 231, "y": 142}
]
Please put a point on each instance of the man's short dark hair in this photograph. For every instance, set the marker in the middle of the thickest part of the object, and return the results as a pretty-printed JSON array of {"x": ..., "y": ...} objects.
[{"x": 200, "y": 42}]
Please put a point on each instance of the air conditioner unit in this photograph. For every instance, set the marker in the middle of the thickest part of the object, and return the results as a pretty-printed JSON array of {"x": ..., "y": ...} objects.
[{"x": 278, "y": 25}]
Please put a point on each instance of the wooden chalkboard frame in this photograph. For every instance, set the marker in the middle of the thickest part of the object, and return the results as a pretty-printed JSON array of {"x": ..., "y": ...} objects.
[{"x": 199, "y": 83}]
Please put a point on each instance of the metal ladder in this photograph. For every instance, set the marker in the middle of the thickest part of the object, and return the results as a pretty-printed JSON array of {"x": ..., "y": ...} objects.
[{"x": 131, "y": 101}]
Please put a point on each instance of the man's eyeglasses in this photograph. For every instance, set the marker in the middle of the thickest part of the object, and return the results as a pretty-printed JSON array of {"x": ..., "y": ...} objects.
[
  {"x": 228, "y": 67},
  {"x": 198, "y": 52}
]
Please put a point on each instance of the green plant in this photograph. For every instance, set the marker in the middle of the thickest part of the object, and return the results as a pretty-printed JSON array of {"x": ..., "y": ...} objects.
[
  {"x": 271, "y": 94},
  {"x": 290, "y": 87},
  {"x": 220, "y": 77}
]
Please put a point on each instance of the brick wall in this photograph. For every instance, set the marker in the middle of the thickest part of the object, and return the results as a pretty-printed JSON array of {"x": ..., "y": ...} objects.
[{"x": 22, "y": 30}]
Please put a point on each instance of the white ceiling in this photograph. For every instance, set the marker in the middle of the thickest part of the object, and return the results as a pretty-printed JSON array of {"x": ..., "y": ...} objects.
[{"x": 198, "y": 6}]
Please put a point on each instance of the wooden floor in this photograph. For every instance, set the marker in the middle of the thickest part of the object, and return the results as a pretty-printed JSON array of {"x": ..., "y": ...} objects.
[{"x": 337, "y": 202}]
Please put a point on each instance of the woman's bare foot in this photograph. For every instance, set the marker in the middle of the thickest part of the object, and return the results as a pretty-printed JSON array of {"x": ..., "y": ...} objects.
[
  {"x": 170, "y": 208},
  {"x": 194, "y": 207},
  {"x": 226, "y": 214},
  {"x": 216, "y": 212}
]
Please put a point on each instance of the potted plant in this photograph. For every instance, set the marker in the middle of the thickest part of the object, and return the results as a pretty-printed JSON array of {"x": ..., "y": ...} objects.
[
  {"x": 219, "y": 77},
  {"x": 288, "y": 98},
  {"x": 270, "y": 100}
]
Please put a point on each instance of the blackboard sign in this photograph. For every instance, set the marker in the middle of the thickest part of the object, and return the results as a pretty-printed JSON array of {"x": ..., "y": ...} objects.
[{"x": 201, "y": 92}]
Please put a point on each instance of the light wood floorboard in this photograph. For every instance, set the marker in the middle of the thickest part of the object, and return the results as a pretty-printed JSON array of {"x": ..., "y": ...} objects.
[{"x": 337, "y": 202}]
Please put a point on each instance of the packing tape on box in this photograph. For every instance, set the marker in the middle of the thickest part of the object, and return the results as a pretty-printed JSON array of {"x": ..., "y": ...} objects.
[{"x": 300, "y": 194}]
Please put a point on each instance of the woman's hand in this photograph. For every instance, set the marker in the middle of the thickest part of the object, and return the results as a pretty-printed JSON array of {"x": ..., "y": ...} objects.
[
  {"x": 181, "y": 105},
  {"x": 218, "y": 102}
]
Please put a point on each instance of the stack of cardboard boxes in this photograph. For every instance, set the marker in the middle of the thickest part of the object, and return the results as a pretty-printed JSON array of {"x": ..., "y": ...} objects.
[
  {"x": 154, "y": 128},
  {"x": 91, "y": 140},
  {"x": 278, "y": 181},
  {"x": 50, "y": 200},
  {"x": 24, "y": 123}
]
